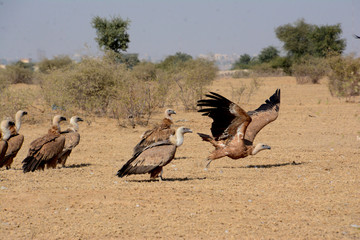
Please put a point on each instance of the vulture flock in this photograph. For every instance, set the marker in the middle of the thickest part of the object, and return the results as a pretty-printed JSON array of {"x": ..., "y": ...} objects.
[{"x": 233, "y": 131}]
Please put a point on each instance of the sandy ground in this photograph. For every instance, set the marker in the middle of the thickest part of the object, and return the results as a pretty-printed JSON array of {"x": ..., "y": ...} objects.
[{"x": 306, "y": 187}]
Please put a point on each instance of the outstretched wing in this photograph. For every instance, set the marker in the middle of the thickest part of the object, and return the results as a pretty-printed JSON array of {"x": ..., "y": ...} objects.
[
  {"x": 227, "y": 116},
  {"x": 263, "y": 115}
]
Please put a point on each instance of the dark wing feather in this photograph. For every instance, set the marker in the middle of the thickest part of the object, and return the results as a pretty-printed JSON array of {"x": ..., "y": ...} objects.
[
  {"x": 158, "y": 133},
  {"x": 146, "y": 160},
  {"x": 14, "y": 144},
  {"x": 43, "y": 150},
  {"x": 263, "y": 115},
  {"x": 227, "y": 116},
  {"x": 3, "y": 148}
]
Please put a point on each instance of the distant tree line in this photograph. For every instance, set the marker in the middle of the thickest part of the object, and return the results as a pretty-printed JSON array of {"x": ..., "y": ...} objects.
[
  {"x": 301, "y": 40},
  {"x": 119, "y": 85}
]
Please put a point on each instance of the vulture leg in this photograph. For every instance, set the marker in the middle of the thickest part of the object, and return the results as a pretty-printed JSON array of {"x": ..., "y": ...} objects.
[
  {"x": 160, "y": 176},
  {"x": 156, "y": 173},
  {"x": 208, "y": 161},
  {"x": 8, "y": 164}
]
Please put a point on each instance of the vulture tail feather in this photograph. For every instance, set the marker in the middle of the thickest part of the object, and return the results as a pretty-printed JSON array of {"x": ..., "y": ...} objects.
[
  {"x": 126, "y": 168},
  {"x": 30, "y": 164}
]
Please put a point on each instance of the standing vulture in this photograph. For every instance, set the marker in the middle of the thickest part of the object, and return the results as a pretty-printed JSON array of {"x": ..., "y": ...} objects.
[
  {"x": 14, "y": 142},
  {"x": 154, "y": 157},
  {"x": 5, "y": 134},
  {"x": 46, "y": 149},
  {"x": 160, "y": 132},
  {"x": 233, "y": 130},
  {"x": 72, "y": 139}
]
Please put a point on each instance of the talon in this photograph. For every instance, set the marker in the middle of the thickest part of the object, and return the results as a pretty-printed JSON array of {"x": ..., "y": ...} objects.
[{"x": 207, "y": 164}]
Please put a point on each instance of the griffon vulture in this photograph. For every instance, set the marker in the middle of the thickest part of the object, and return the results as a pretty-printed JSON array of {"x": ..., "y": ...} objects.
[
  {"x": 46, "y": 149},
  {"x": 158, "y": 133},
  {"x": 154, "y": 157},
  {"x": 72, "y": 139},
  {"x": 233, "y": 130},
  {"x": 14, "y": 142},
  {"x": 5, "y": 134}
]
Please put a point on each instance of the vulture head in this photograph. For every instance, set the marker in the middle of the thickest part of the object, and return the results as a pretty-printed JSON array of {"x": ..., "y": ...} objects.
[
  {"x": 75, "y": 119},
  {"x": 178, "y": 139},
  {"x": 74, "y": 122},
  {"x": 168, "y": 113},
  {"x": 57, "y": 119},
  {"x": 5, "y": 128},
  {"x": 18, "y": 117},
  {"x": 259, "y": 147},
  {"x": 20, "y": 113}
]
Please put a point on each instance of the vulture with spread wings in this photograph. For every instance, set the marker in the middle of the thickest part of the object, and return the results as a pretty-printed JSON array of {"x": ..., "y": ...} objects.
[{"x": 234, "y": 130}]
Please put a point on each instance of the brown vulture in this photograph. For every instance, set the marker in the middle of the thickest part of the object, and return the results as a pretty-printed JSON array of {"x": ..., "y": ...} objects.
[
  {"x": 154, "y": 157},
  {"x": 159, "y": 133},
  {"x": 233, "y": 130},
  {"x": 5, "y": 135},
  {"x": 14, "y": 142},
  {"x": 46, "y": 149},
  {"x": 72, "y": 139}
]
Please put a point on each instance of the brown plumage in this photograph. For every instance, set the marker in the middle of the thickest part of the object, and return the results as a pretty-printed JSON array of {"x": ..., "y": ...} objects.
[
  {"x": 154, "y": 157},
  {"x": 46, "y": 149},
  {"x": 160, "y": 132},
  {"x": 5, "y": 135},
  {"x": 72, "y": 139},
  {"x": 233, "y": 130},
  {"x": 14, "y": 142}
]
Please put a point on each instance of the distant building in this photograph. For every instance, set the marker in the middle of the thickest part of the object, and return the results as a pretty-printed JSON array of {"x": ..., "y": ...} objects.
[
  {"x": 25, "y": 60},
  {"x": 222, "y": 61}
]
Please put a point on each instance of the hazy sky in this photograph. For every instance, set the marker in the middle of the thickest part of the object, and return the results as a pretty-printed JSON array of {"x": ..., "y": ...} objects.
[{"x": 38, "y": 28}]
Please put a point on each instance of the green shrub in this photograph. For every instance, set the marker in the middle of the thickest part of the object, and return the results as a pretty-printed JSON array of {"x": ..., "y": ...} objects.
[
  {"x": 88, "y": 86},
  {"x": 14, "y": 99},
  {"x": 18, "y": 73},
  {"x": 4, "y": 80},
  {"x": 47, "y": 65},
  {"x": 139, "y": 94},
  {"x": 310, "y": 70},
  {"x": 265, "y": 70},
  {"x": 191, "y": 79},
  {"x": 344, "y": 77}
]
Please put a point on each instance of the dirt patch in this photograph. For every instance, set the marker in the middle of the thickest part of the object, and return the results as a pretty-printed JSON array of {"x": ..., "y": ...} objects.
[{"x": 305, "y": 187}]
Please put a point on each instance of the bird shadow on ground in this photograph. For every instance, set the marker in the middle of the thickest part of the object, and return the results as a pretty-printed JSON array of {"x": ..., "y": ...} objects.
[
  {"x": 78, "y": 165},
  {"x": 269, "y": 165},
  {"x": 168, "y": 180}
]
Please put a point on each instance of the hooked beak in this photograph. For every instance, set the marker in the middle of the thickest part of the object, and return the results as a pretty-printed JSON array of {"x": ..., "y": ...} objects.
[{"x": 187, "y": 130}]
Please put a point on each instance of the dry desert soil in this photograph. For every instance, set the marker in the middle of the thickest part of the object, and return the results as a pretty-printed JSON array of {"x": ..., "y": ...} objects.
[{"x": 306, "y": 187}]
